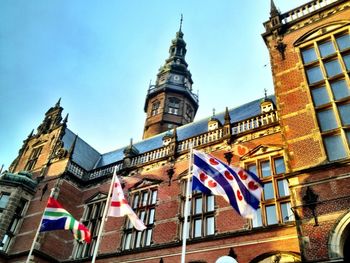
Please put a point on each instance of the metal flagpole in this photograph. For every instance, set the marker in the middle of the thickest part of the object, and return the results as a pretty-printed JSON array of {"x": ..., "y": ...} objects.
[
  {"x": 38, "y": 230},
  {"x": 104, "y": 217},
  {"x": 185, "y": 224}
]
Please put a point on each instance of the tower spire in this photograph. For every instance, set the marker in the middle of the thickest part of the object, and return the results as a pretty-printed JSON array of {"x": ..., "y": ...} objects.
[
  {"x": 181, "y": 23},
  {"x": 273, "y": 9}
]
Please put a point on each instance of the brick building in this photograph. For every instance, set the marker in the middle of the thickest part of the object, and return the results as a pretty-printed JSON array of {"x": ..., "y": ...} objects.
[{"x": 296, "y": 141}]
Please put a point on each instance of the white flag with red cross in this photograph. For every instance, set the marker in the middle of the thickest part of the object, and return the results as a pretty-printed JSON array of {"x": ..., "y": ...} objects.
[{"x": 120, "y": 207}]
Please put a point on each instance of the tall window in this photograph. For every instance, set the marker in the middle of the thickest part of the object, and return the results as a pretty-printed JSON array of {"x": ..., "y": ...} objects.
[
  {"x": 33, "y": 158},
  {"x": 327, "y": 66},
  {"x": 201, "y": 216},
  {"x": 155, "y": 108},
  {"x": 14, "y": 225},
  {"x": 275, "y": 207},
  {"x": 143, "y": 203},
  {"x": 4, "y": 199},
  {"x": 92, "y": 220},
  {"x": 173, "y": 105}
]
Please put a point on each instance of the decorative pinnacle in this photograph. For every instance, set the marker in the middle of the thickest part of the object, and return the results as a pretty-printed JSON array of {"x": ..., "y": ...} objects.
[
  {"x": 273, "y": 10},
  {"x": 58, "y": 103},
  {"x": 213, "y": 112},
  {"x": 265, "y": 92},
  {"x": 181, "y": 23},
  {"x": 66, "y": 118}
]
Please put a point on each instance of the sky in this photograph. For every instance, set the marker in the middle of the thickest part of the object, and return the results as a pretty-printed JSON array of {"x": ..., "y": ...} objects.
[{"x": 100, "y": 56}]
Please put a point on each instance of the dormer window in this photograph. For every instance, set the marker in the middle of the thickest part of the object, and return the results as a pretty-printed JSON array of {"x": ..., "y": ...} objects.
[
  {"x": 173, "y": 105},
  {"x": 155, "y": 108},
  {"x": 266, "y": 106}
]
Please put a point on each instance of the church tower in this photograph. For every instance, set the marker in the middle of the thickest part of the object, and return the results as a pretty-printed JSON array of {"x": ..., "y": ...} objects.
[{"x": 170, "y": 102}]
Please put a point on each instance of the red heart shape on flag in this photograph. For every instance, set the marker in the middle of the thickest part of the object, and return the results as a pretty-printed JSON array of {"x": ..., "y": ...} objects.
[
  {"x": 242, "y": 175},
  {"x": 203, "y": 177},
  {"x": 252, "y": 185},
  {"x": 228, "y": 175},
  {"x": 116, "y": 185},
  {"x": 213, "y": 161},
  {"x": 212, "y": 184},
  {"x": 241, "y": 150},
  {"x": 239, "y": 195}
]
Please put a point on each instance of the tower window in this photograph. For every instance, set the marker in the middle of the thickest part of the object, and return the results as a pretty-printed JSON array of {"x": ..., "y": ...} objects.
[
  {"x": 189, "y": 112},
  {"x": 155, "y": 108},
  {"x": 327, "y": 63},
  {"x": 33, "y": 158},
  {"x": 174, "y": 106}
]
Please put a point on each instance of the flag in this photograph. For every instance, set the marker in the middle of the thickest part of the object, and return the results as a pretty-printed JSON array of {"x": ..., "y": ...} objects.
[
  {"x": 242, "y": 189},
  {"x": 120, "y": 207},
  {"x": 56, "y": 218}
]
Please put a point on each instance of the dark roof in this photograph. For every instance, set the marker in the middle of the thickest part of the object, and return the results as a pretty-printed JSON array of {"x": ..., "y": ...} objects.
[
  {"x": 186, "y": 131},
  {"x": 83, "y": 154}
]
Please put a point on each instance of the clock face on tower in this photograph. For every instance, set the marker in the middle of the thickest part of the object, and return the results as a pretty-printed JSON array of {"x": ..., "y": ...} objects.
[{"x": 176, "y": 78}]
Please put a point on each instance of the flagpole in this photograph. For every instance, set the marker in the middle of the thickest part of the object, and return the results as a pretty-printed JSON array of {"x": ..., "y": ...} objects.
[
  {"x": 185, "y": 224},
  {"x": 38, "y": 231},
  {"x": 104, "y": 217}
]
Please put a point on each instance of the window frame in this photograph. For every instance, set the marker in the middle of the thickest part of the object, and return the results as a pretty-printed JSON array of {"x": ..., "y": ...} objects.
[
  {"x": 90, "y": 219},
  {"x": 261, "y": 219},
  {"x": 146, "y": 211},
  {"x": 15, "y": 224},
  {"x": 337, "y": 87},
  {"x": 203, "y": 216},
  {"x": 33, "y": 158}
]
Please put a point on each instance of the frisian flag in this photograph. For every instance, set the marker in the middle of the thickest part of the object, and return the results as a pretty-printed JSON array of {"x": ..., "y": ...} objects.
[
  {"x": 57, "y": 218},
  {"x": 242, "y": 189},
  {"x": 120, "y": 207}
]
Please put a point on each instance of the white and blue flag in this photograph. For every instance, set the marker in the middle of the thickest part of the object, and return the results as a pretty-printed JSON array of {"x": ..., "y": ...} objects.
[{"x": 242, "y": 189}]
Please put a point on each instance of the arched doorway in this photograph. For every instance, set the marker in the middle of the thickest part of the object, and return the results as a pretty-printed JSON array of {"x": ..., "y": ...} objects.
[{"x": 340, "y": 239}]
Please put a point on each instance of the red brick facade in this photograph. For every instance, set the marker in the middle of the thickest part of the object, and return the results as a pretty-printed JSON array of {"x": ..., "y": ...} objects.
[{"x": 315, "y": 229}]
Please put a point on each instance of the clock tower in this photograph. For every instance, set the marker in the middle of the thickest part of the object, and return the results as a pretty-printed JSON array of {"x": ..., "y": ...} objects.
[{"x": 170, "y": 102}]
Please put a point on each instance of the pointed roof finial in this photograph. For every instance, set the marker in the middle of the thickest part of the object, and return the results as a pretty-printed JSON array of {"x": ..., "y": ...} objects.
[
  {"x": 31, "y": 133},
  {"x": 213, "y": 112},
  {"x": 58, "y": 103},
  {"x": 227, "y": 116},
  {"x": 265, "y": 92},
  {"x": 66, "y": 119},
  {"x": 71, "y": 150},
  {"x": 130, "y": 142},
  {"x": 273, "y": 9},
  {"x": 181, "y": 23}
]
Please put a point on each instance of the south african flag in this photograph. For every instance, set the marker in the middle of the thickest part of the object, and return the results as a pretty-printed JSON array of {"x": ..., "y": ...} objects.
[{"x": 57, "y": 218}]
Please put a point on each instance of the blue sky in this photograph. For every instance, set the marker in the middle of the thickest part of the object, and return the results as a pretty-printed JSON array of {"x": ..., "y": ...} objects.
[{"x": 99, "y": 57}]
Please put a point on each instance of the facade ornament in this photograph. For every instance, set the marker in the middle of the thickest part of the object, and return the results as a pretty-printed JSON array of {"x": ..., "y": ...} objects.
[
  {"x": 281, "y": 48},
  {"x": 310, "y": 199}
]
